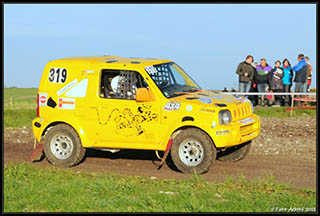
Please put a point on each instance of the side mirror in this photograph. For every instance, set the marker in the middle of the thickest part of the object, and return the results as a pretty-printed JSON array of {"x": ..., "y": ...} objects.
[{"x": 143, "y": 95}]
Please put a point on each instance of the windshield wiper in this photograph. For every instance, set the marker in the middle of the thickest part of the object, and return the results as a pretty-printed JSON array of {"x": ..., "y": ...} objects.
[
  {"x": 175, "y": 94},
  {"x": 191, "y": 90}
]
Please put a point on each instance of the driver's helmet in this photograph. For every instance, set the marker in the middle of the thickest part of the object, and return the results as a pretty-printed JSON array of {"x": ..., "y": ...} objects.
[{"x": 114, "y": 83}]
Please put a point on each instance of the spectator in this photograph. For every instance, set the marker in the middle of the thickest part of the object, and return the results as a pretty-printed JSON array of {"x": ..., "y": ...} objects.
[
  {"x": 275, "y": 80},
  {"x": 225, "y": 90},
  {"x": 309, "y": 74},
  {"x": 262, "y": 78},
  {"x": 245, "y": 71},
  {"x": 287, "y": 80},
  {"x": 300, "y": 77}
]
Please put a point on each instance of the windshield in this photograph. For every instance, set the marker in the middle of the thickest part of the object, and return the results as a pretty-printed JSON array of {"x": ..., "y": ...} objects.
[{"x": 171, "y": 79}]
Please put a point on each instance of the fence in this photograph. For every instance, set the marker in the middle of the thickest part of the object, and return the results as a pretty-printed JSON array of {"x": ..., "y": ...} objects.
[
  {"x": 22, "y": 101},
  {"x": 281, "y": 93}
]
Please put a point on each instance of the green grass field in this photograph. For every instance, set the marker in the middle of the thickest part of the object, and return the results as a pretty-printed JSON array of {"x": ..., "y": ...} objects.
[{"x": 28, "y": 188}]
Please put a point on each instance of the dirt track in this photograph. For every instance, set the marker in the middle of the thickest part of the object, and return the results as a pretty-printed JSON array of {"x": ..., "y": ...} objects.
[{"x": 286, "y": 148}]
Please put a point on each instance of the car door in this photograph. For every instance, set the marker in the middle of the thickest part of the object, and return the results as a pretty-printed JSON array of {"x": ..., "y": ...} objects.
[{"x": 124, "y": 122}]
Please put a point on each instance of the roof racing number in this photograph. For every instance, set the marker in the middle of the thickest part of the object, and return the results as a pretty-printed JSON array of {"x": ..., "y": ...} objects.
[{"x": 57, "y": 75}]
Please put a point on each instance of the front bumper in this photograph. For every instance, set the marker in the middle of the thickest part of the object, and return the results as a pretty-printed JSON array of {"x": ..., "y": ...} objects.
[{"x": 237, "y": 132}]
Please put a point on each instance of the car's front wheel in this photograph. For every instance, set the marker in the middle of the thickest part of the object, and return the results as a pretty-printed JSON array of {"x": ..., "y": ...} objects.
[
  {"x": 193, "y": 151},
  {"x": 63, "y": 147},
  {"x": 235, "y": 153}
]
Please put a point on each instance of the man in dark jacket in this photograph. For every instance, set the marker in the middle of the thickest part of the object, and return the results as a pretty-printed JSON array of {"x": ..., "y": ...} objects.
[
  {"x": 262, "y": 78},
  {"x": 245, "y": 71},
  {"x": 300, "y": 77}
]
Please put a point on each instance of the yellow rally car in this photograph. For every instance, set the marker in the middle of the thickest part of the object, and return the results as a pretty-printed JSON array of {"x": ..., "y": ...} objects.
[{"x": 117, "y": 103}]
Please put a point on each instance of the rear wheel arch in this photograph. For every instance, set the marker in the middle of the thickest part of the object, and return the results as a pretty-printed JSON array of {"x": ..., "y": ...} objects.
[{"x": 52, "y": 124}]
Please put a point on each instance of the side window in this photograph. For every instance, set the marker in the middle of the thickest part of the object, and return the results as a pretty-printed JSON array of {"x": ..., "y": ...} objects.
[
  {"x": 121, "y": 84},
  {"x": 163, "y": 76}
]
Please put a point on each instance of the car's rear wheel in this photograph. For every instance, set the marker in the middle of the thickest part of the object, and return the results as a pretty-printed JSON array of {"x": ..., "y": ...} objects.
[
  {"x": 192, "y": 151},
  {"x": 235, "y": 153},
  {"x": 63, "y": 147}
]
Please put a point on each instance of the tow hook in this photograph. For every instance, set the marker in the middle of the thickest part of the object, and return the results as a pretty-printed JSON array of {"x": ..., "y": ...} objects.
[
  {"x": 166, "y": 153},
  {"x": 223, "y": 149},
  {"x": 37, "y": 152}
]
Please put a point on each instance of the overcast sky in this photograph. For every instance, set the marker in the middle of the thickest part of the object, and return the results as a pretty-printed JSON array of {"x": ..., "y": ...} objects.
[{"x": 207, "y": 40}]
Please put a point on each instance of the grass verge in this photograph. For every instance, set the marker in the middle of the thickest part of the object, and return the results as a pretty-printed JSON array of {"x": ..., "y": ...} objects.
[
  {"x": 28, "y": 188},
  {"x": 281, "y": 112},
  {"x": 19, "y": 117}
]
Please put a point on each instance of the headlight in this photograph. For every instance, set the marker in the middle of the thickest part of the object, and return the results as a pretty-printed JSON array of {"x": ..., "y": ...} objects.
[{"x": 225, "y": 117}]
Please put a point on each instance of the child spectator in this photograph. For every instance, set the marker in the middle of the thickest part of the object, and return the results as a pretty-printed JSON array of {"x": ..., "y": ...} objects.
[{"x": 275, "y": 81}]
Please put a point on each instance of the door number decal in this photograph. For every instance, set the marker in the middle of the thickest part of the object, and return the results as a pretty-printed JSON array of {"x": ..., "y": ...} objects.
[{"x": 57, "y": 75}]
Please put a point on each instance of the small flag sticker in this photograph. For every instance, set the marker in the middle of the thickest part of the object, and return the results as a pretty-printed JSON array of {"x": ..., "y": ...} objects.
[
  {"x": 66, "y": 103},
  {"x": 43, "y": 99}
]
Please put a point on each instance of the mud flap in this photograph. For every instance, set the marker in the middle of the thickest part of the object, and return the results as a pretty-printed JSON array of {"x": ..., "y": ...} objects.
[
  {"x": 37, "y": 152},
  {"x": 166, "y": 153}
]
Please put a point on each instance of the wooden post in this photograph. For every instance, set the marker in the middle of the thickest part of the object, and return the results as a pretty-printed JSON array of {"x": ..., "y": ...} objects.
[
  {"x": 292, "y": 101},
  {"x": 10, "y": 101}
]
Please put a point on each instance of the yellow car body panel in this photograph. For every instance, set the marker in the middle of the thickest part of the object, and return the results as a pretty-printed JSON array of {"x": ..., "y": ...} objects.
[{"x": 70, "y": 92}]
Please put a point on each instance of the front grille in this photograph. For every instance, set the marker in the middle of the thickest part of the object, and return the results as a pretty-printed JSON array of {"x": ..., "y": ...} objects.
[
  {"x": 246, "y": 129},
  {"x": 242, "y": 111}
]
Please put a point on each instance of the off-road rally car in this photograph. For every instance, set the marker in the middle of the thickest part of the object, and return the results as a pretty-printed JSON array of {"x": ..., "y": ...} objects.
[{"x": 113, "y": 103}]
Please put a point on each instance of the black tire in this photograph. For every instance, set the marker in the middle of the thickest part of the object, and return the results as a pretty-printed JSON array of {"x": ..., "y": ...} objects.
[
  {"x": 235, "y": 153},
  {"x": 68, "y": 137},
  {"x": 195, "y": 140}
]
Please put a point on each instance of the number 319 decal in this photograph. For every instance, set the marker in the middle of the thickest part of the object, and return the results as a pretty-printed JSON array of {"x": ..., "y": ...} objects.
[{"x": 57, "y": 75}]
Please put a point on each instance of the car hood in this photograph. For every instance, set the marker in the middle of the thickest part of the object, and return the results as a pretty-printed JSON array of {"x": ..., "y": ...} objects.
[{"x": 211, "y": 98}]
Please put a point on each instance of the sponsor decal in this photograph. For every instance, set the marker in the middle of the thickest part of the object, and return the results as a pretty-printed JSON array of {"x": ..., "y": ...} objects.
[
  {"x": 89, "y": 71},
  {"x": 172, "y": 105},
  {"x": 216, "y": 97},
  {"x": 66, "y": 103},
  {"x": 203, "y": 109},
  {"x": 79, "y": 90},
  {"x": 67, "y": 87},
  {"x": 222, "y": 132},
  {"x": 246, "y": 121},
  {"x": 189, "y": 108},
  {"x": 129, "y": 122},
  {"x": 205, "y": 100},
  {"x": 43, "y": 97}
]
